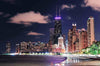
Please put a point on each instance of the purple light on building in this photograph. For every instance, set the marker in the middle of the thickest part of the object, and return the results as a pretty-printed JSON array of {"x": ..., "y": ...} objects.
[{"x": 57, "y": 17}]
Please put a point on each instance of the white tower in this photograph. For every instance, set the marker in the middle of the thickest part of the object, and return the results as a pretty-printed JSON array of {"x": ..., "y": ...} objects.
[{"x": 61, "y": 43}]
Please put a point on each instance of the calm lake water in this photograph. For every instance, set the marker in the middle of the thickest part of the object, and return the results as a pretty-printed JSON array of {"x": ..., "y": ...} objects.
[{"x": 70, "y": 61}]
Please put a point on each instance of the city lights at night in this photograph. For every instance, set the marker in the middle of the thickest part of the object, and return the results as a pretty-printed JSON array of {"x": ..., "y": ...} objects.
[
  {"x": 57, "y": 17},
  {"x": 49, "y": 32}
]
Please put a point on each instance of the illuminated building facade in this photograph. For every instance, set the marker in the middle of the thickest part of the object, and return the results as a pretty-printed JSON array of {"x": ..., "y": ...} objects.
[
  {"x": 81, "y": 39},
  {"x": 73, "y": 38},
  {"x": 8, "y": 47},
  {"x": 17, "y": 48},
  {"x": 83, "y": 42},
  {"x": 23, "y": 47},
  {"x": 26, "y": 47},
  {"x": 51, "y": 40},
  {"x": 77, "y": 39},
  {"x": 64, "y": 39},
  {"x": 61, "y": 46},
  {"x": 50, "y": 45},
  {"x": 51, "y": 34},
  {"x": 57, "y": 29},
  {"x": 90, "y": 31},
  {"x": 66, "y": 49}
]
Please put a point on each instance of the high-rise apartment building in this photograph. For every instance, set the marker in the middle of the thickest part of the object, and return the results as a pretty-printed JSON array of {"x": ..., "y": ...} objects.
[
  {"x": 77, "y": 39},
  {"x": 51, "y": 40},
  {"x": 90, "y": 30},
  {"x": 72, "y": 38},
  {"x": 51, "y": 34},
  {"x": 83, "y": 42}
]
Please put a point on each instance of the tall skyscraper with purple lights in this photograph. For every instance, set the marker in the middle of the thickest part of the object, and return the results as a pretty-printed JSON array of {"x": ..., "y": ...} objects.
[{"x": 57, "y": 29}]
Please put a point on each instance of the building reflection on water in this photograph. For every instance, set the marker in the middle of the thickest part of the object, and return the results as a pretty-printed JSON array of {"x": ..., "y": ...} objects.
[{"x": 70, "y": 60}]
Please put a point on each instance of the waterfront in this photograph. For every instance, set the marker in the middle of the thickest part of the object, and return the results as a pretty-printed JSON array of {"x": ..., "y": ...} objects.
[
  {"x": 51, "y": 64},
  {"x": 70, "y": 61}
]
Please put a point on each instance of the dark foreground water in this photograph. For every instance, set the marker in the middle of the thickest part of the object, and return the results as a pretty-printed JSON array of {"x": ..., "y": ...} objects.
[{"x": 45, "y": 61}]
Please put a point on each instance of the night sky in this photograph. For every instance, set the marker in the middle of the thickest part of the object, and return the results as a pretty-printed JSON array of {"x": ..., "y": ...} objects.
[{"x": 30, "y": 20}]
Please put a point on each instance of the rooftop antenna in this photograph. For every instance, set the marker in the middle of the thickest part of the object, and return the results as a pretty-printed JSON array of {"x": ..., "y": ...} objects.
[
  {"x": 56, "y": 10},
  {"x": 59, "y": 11}
]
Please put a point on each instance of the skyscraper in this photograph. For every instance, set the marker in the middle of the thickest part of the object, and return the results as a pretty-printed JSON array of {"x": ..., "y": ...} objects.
[
  {"x": 57, "y": 29},
  {"x": 90, "y": 30},
  {"x": 83, "y": 42},
  {"x": 77, "y": 39},
  {"x": 64, "y": 37},
  {"x": 51, "y": 34},
  {"x": 73, "y": 38},
  {"x": 51, "y": 40}
]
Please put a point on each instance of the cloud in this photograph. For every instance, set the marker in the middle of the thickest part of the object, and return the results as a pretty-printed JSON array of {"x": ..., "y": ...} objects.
[
  {"x": 34, "y": 33},
  {"x": 94, "y": 4},
  {"x": 66, "y": 6},
  {"x": 28, "y": 18}
]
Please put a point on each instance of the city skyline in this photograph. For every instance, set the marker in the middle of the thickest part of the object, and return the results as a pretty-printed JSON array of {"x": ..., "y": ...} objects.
[
  {"x": 77, "y": 39},
  {"x": 17, "y": 21},
  {"x": 49, "y": 32}
]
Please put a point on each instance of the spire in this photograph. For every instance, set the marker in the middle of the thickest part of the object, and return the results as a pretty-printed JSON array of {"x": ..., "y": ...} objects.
[
  {"x": 56, "y": 10},
  {"x": 59, "y": 12},
  {"x": 57, "y": 15}
]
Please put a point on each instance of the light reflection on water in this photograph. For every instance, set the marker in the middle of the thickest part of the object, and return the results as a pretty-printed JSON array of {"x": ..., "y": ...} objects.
[{"x": 70, "y": 60}]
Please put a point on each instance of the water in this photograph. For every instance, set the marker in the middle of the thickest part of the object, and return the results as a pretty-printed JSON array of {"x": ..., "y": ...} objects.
[{"x": 71, "y": 61}]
